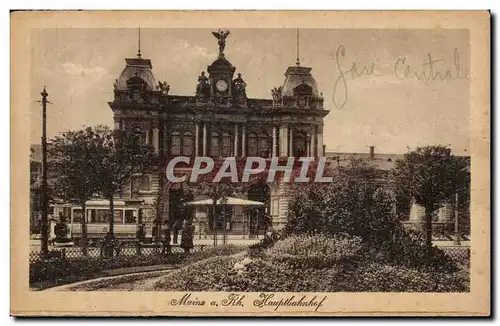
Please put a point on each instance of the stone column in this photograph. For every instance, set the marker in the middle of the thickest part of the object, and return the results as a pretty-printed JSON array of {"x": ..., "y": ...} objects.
[
  {"x": 290, "y": 142},
  {"x": 243, "y": 141},
  {"x": 204, "y": 139},
  {"x": 308, "y": 145},
  {"x": 156, "y": 138},
  {"x": 117, "y": 124},
  {"x": 313, "y": 141},
  {"x": 275, "y": 142},
  {"x": 196, "y": 139},
  {"x": 283, "y": 140},
  {"x": 235, "y": 140},
  {"x": 166, "y": 137},
  {"x": 320, "y": 140}
]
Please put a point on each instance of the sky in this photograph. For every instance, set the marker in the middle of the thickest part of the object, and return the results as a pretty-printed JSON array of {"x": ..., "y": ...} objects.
[{"x": 371, "y": 80}]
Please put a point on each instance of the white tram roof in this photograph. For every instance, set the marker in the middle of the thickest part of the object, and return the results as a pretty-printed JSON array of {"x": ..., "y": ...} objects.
[
  {"x": 104, "y": 202},
  {"x": 92, "y": 202}
]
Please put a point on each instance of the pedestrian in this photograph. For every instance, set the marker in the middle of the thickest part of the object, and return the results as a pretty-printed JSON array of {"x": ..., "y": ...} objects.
[
  {"x": 187, "y": 236},
  {"x": 167, "y": 247}
]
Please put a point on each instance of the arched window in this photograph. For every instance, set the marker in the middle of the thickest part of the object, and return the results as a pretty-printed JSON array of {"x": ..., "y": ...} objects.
[
  {"x": 263, "y": 145},
  {"x": 176, "y": 143},
  {"x": 226, "y": 144},
  {"x": 252, "y": 145},
  {"x": 300, "y": 145},
  {"x": 215, "y": 144},
  {"x": 187, "y": 144}
]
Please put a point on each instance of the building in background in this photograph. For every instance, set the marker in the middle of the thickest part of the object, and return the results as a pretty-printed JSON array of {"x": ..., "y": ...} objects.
[{"x": 219, "y": 121}]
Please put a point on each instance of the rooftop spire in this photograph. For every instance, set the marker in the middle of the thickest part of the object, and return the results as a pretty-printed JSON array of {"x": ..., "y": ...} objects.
[
  {"x": 298, "y": 61},
  {"x": 139, "y": 48}
]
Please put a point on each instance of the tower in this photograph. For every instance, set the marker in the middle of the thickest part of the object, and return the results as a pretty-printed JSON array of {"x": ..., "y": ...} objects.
[{"x": 221, "y": 71}]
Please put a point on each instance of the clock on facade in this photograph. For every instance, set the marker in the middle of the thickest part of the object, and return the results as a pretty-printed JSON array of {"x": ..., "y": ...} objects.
[{"x": 221, "y": 85}]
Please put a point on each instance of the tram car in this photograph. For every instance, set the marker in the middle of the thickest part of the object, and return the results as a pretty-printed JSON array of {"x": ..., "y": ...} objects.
[{"x": 126, "y": 219}]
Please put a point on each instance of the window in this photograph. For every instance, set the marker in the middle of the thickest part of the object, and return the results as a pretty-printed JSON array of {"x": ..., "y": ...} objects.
[
  {"x": 118, "y": 216},
  {"x": 252, "y": 145},
  {"x": 264, "y": 145},
  {"x": 187, "y": 144},
  {"x": 226, "y": 144},
  {"x": 129, "y": 217},
  {"x": 176, "y": 143},
  {"x": 215, "y": 144},
  {"x": 99, "y": 216},
  {"x": 77, "y": 215}
]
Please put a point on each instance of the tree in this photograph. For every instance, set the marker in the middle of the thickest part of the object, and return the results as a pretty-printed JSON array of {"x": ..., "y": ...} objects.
[
  {"x": 354, "y": 203},
  {"x": 120, "y": 154},
  {"x": 73, "y": 164},
  {"x": 432, "y": 175}
]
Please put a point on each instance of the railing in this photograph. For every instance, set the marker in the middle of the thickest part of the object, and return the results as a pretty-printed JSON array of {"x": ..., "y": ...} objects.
[
  {"x": 122, "y": 250},
  {"x": 458, "y": 254}
]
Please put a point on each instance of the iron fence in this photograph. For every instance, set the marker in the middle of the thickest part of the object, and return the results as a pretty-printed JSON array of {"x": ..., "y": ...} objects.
[
  {"x": 123, "y": 250},
  {"x": 458, "y": 254}
]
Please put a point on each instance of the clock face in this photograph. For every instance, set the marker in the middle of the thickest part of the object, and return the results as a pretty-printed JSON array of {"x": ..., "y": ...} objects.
[{"x": 221, "y": 85}]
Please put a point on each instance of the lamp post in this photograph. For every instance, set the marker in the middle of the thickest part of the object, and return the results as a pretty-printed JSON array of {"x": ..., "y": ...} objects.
[
  {"x": 457, "y": 231},
  {"x": 45, "y": 234}
]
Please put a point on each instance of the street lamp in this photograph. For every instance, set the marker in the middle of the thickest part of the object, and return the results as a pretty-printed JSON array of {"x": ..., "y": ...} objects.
[
  {"x": 457, "y": 231},
  {"x": 45, "y": 234}
]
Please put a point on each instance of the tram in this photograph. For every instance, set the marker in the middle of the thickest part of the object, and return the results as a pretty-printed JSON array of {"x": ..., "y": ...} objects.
[{"x": 126, "y": 219}]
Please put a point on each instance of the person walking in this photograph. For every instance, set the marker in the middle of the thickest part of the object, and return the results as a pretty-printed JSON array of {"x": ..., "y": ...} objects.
[{"x": 167, "y": 247}]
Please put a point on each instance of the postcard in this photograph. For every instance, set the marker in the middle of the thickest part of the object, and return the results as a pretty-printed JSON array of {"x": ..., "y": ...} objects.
[{"x": 250, "y": 163}]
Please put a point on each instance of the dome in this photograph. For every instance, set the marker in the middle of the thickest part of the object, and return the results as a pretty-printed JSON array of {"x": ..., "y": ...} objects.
[
  {"x": 137, "y": 68},
  {"x": 299, "y": 76},
  {"x": 221, "y": 65}
]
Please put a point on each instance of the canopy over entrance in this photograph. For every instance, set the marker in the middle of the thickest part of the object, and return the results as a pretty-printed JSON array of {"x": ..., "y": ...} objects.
[{"x": 231, "y": 201}]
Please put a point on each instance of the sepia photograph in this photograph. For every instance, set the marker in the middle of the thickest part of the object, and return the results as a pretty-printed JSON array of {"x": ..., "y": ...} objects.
[{"x": 272, "y": 167}]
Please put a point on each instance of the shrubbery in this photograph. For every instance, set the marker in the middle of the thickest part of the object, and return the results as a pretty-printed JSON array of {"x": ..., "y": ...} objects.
[
  {"x": 356, "y": 204},
  {"x": 316, "y": 251},
  {"x": 370, "y": 276},
  {"x": 221, "y": 274}
]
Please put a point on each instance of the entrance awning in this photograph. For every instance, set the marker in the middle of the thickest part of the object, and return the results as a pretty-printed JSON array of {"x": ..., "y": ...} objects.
[{"x": 231, "y": 201}]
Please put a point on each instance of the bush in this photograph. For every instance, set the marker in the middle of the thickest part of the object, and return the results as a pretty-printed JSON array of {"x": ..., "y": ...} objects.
[
  {"x": 219, "y": 274},
  {"x": 231, "y": 274},
  {"x": 305, "y": 251},
  {"x": 257, "y": 248},
  {"x": 357, "y": 205},
  {"x": 354, "y": 203},
  {"x": 369, "y": 276},
  {"x": 408, "y": 249}
]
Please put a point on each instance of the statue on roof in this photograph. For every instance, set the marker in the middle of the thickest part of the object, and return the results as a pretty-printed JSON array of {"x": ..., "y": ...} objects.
[
  {"x": 239, "y": 86},
  {"x": 203, "y": 87},
  {"x": 164, "y": 88},
  {"x": 276, "y": 93},
  {"x": 221, "y": 36}
]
